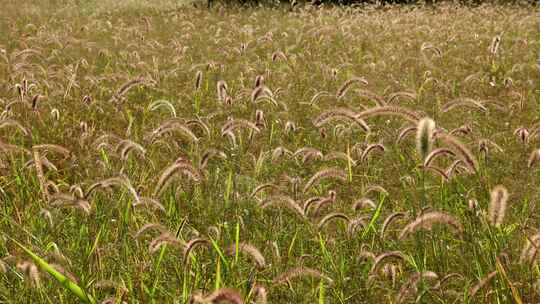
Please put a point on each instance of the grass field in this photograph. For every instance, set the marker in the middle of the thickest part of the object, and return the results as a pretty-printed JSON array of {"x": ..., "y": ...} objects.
[{"x": 158, "y": 153}]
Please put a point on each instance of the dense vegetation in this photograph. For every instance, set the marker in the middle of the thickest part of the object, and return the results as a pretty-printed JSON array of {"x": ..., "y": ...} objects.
[
  {"x": 358, "y": 3},
  {"x": 156, "y": 153}
]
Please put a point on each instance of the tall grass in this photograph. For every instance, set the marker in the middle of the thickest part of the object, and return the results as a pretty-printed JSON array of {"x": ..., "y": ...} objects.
[{"x": 157, "y": 152}]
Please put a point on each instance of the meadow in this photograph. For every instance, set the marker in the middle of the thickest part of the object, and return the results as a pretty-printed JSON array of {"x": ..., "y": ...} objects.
[{"x": 152, "y": 152}]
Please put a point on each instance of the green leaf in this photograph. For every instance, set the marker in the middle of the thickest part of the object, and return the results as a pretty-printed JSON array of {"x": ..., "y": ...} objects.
[{"x": 62, "y": 279}]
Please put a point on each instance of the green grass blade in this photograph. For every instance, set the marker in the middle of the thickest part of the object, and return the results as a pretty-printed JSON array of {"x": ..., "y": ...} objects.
[
  {"x": 237, "y": 242},
  {"x": 220, "y": 253},
  {"x": 371, "y": 225},
  {"x": 62, "y": 279}
]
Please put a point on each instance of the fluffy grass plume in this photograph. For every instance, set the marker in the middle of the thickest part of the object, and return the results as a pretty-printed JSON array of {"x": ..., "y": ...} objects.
[
  {"x": 411, "y": 286},
  {"x": 497, "y": 205},
  {"x": 435, "y": 153},
  {"x": 427, "y": 220},
  {"x": 461, "y": 150},
  {"x": 424, "y": 136},
  {"x": 340, "y": 113},
  {"x": 325, "y": 174},
  {"x": 331, "y": 217},
  {"x": 483, "y": 282},
  {"x": 404, "y": 113},
  {"x": 530, "y": 250},
  {"x": 347, "y": 85},
  {"x": 533, "y": 158},
  {"x": 222, "y": 295},
  {"x": 250, "y": 250}
]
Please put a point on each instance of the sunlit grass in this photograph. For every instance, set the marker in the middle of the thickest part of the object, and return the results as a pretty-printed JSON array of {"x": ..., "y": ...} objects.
[{"x": 156, "y": 152}]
